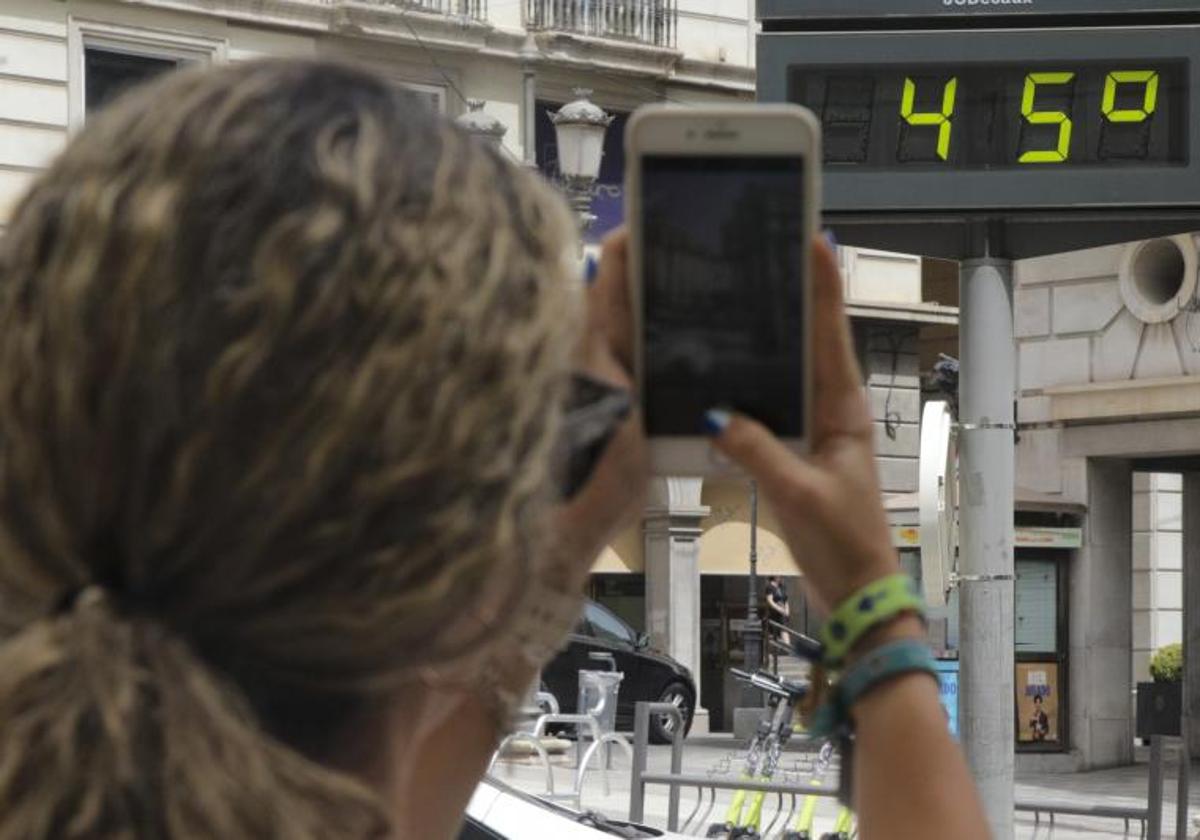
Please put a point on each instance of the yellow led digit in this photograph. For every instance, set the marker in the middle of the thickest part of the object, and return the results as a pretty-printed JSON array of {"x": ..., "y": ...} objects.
[
  {"x": 1062, "y": 120},
  {"x": 941, "y": 120},
  {"x": 1149, "y": 78}
]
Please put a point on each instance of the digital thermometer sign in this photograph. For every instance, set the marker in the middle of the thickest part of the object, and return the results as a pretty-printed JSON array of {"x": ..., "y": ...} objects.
[
  {"x": 996, "y": 122},
  {"x": 1012, "y": 115}
]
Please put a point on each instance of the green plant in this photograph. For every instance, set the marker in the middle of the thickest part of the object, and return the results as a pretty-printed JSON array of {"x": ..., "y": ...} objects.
[{"x": 1166, "y": 665}]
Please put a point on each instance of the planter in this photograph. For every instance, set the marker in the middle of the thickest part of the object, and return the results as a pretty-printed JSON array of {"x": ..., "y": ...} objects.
[{"x": 1159, "y": 706}]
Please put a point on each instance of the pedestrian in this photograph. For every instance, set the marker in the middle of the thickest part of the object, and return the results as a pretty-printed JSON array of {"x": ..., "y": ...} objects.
[
  {"x": 778, "y": 608},
  {"x": 284, "y": 358}
]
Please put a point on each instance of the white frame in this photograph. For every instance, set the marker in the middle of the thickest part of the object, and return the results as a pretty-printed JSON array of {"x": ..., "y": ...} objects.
[
  {"x": 719, "y": 130},
  {"x": 132, "y": 40}
]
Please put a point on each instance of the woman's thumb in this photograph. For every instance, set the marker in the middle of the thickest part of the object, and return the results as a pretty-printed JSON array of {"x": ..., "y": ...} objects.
[{"x": 759, "y": 452}]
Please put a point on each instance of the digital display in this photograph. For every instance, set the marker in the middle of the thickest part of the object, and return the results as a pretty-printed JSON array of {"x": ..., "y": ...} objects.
[
  {"x": 723, "y": 293},
  {"x": 1030, "y": 115}
]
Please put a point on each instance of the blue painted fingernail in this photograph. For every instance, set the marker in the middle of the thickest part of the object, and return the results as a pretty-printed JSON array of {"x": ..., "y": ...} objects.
[
  {"x": 716, "y": 420},
  {"x": 829, "y": 237},
  {"x": 590, "y": 269}
]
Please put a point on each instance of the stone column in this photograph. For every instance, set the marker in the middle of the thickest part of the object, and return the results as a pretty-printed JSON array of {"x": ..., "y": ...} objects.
[
  {"x": 1191, "y": 606},
  {"x": 672, "y": 556},
  {"x": 1101, "y": 621}
]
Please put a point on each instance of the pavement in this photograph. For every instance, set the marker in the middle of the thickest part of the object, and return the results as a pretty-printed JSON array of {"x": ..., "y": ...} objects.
[{"x": 718, "y": 756}]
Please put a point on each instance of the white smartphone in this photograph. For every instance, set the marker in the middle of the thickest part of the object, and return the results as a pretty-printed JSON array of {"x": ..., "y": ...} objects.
[{"x": 722, "y": 205}]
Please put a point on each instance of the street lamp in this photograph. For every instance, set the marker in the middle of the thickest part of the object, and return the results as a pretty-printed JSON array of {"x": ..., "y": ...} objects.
[
  {"x": 753, "y": 636},
  {"x": 579, "y": 129},
  {"x": 483, "y": 125}
]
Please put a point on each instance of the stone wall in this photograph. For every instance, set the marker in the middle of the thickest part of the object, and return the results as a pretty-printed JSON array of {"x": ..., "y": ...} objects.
[{"x": 1157, "y": 566}]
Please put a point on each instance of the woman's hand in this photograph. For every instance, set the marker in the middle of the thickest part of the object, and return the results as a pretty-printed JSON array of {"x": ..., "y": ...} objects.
[
  {"x": 829, "y": 505},
  {"x": 615, "y": 492}
]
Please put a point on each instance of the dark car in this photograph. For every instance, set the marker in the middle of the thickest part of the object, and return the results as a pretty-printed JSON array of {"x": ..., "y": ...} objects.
[{"x": 649, "y": 675}]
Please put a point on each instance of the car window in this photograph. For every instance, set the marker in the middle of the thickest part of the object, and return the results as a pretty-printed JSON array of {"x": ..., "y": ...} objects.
[{"x": 608, "y": 626}]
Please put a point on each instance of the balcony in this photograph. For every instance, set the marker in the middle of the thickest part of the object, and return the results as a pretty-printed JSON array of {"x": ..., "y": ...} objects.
[
  {"x": 652, "y": 22},
  {"x": 473, "y": 9}
]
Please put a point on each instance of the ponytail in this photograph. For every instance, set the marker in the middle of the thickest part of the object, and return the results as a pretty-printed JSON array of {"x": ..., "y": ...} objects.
[{"x": 114, "y": 729}]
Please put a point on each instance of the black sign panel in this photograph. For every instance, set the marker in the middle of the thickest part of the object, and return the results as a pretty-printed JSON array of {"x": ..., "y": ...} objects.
[
  {"x": 885, "y": 10},
  {"x": 998, "y": 120},
  {"x": 1000, "y": 116}
]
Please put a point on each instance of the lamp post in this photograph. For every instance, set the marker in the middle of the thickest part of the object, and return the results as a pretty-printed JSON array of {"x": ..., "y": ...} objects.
[
  {"x": 753, "y": 637},
  {"x": 481, "y": 124},
  {"x": 579, "y": 128}
]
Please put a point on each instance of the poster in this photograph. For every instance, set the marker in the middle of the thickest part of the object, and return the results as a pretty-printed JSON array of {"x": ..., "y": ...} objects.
[
  {"x": 948, "y": 683},
  {"x": 1037, "y": 702}
]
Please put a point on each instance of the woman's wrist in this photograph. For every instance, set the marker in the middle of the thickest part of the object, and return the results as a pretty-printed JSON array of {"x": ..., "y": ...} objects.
[{"x": 904, "y": 626}]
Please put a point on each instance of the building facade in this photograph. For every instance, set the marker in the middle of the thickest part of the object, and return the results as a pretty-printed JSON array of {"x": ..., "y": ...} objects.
[
  {"x": 1108, "y": 350},
  {"x": 627, "y": 51}
]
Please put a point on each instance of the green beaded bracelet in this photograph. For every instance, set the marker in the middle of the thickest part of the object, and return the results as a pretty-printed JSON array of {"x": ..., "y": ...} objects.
[{"x": 876, "y": 603}]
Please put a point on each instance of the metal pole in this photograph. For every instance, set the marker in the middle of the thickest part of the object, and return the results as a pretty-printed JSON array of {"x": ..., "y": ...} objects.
[
  {"x": 1181, "y": 792},
  {"x": 986, "y": 459},
  {"x": 753, "y": 635},
  {"x": 1154, "y": 796},
  {"x": 641, "y": 740}
]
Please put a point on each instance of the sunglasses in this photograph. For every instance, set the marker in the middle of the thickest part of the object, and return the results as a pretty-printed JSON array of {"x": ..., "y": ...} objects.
[{"x": 594, "y": 411}]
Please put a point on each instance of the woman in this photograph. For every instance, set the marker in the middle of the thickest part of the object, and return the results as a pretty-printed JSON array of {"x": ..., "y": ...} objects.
[{"x": 283, "y": 361}]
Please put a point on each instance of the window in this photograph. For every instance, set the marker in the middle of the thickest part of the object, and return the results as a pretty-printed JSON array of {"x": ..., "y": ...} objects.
[
  {"x": 434, "y": 95},
  {"x": 106, "y": 59},
  {"x": 1036, "y": 607},
  {"x": 107, "y": 74},
  {"x": 1040, "y": 637},
  {"x": 607, "y": 626}
]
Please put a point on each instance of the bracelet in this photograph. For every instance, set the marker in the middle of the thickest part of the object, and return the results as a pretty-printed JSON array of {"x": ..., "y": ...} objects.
[
  {"x": 876, "y": 603},
  {"x": 878, "y": 666}
]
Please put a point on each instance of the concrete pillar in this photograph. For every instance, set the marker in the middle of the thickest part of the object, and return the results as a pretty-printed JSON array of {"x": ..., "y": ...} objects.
[
  {"x": 1101, "y": 621},
  {"x": 672, "y": 556},
  {"x": 1191, "y": 605}
]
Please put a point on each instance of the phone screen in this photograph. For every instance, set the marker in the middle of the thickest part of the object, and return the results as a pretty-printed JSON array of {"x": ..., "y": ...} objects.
[{"x": 723, "y": 290}]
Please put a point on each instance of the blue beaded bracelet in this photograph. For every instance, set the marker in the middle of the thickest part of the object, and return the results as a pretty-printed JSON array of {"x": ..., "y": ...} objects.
[{"x": 884, "y": 663}]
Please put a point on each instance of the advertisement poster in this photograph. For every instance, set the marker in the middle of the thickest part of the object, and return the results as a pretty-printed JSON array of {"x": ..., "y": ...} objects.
[
  {"x": 948, "y": 681},
  {"x": 1037, "y": 702}
]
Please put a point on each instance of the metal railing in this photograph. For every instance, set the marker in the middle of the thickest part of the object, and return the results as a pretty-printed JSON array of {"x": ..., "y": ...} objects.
[
  {"x": 474, "y": 9},
  {"x": 653, "y": 22}
]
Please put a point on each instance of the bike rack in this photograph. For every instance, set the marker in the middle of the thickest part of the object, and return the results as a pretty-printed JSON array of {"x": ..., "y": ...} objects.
[
  {"x": 606, "y": 738},
  {"x": 599, "y": 739},
  {"x": 675, "y": 781},
  {"x": 641, "y": 745},
  {"x": 537, "y": 745}
]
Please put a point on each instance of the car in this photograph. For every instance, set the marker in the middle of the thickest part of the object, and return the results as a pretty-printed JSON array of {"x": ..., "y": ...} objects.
[
  {"x": 500, "y": 812},
  {"x": 649, "y": 674}
]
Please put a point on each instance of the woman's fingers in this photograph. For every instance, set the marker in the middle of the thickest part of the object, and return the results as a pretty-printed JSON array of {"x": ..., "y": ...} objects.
[
  {"x": 782, "y": 474},
  {"x": 835, "y": 366}
]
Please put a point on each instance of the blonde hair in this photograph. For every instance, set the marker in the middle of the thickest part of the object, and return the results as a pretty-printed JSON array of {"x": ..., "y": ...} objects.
[{"x": 282, "y": 364}]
